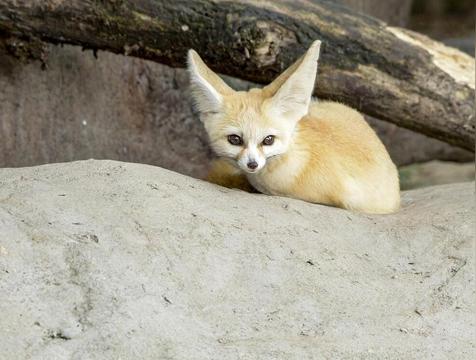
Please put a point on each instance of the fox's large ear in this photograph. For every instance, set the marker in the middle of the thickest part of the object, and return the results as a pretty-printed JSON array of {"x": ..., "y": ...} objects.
[
  {"x": 207, "y": 87},
  {"x": 291, "y": 92}
]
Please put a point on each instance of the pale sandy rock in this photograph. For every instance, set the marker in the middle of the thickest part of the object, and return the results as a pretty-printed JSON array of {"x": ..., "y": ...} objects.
[{"x": 110, "y": 260}]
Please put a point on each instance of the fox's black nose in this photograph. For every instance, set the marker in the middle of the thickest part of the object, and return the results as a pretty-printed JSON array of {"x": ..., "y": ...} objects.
[{"x": 252, "y": 165}]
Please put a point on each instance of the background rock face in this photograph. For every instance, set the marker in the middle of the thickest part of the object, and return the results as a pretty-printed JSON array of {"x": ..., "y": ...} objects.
[
  {"x": 107, "y": 260},
  {"x": 114, "y": 107}
]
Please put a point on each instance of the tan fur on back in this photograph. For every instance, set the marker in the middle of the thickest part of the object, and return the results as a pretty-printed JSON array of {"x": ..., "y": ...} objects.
[{"x": 335, "y": 159}]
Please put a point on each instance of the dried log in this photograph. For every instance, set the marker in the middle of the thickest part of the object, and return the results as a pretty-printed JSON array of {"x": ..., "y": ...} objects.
[{"x": 390, "y": 73}]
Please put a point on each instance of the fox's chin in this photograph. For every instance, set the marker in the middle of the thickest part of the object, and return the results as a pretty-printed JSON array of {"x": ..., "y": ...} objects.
[
  {"x": 247, "y": 170},
  {"x": 250, "y": 171}
]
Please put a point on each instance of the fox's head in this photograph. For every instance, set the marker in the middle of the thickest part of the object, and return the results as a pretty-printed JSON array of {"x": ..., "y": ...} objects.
[{"x": 251, "y": 127}]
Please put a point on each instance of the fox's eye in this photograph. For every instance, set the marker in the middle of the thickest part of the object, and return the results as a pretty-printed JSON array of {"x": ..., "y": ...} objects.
[
  {"x": 268, "y": 140},
  {"x": 235, "y": 140}
]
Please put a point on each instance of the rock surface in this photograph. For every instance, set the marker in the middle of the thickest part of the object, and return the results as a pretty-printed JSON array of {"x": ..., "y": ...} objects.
[{"x": 109, "y": 260}]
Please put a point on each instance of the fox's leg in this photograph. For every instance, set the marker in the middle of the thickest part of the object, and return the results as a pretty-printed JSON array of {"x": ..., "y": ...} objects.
[{"x": 225, "y": 174}]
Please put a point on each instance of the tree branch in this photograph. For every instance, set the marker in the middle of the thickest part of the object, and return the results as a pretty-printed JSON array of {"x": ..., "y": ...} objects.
[{"x": 390, "y": 73}]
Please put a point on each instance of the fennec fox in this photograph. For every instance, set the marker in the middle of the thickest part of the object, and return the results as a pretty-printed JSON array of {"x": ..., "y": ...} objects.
[{"x": 284, "y": 143}]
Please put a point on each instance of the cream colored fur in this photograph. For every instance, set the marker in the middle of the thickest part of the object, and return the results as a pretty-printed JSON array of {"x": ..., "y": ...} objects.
[{"x": 323, "y": 152}]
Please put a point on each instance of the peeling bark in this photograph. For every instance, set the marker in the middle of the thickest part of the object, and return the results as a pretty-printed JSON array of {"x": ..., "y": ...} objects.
[
  {"x": 24, "y": 49},
  {"x": 391, "y": 74}
]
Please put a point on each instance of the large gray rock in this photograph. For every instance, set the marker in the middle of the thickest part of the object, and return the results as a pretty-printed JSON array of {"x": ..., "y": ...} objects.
[
  {"x": 109, "y": 260},
  {"x": 112, "y": 107}
]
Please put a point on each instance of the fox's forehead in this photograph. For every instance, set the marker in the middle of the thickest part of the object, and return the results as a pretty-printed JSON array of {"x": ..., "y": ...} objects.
[
  {"x": 244, "y": 115},
  {"x": 244, "y": 107},
  {"x": 243, "y": 100}
]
